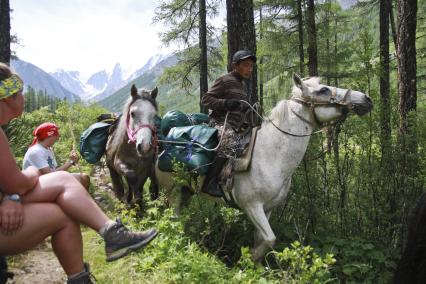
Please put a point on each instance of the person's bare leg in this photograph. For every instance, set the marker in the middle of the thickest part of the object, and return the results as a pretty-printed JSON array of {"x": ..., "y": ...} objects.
[
  {"x": 83, "y": 178},
  {"x": 68, "y": 247},
  {"x": 63, "y": 189},
  {"x": 40, "y": 221}
]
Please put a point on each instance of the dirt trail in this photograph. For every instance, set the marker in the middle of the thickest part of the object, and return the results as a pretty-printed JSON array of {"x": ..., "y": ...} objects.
[{"x": 39, "y": 265}]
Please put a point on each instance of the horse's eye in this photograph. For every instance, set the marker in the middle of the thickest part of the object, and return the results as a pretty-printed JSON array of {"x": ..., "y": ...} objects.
[
  {"x": 324, "y": 90},
  {"x": 132, "y": 113}
]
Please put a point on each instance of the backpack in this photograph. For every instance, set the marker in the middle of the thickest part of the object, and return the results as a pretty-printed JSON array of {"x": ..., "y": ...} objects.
[
  {"x": 93, "y": 141},
  {"x": 4, "y": 274}
]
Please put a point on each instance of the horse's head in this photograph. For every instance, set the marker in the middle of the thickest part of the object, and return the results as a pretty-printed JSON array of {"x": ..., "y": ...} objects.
[
  {"x": 140, "y": 118},
  {"x": 329, "y": 103}
]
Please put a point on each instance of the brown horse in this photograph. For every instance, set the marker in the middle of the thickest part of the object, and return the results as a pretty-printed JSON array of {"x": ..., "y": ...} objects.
[{"x": 131, "y": 148}]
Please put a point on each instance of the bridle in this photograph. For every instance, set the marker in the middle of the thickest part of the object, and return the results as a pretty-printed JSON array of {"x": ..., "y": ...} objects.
[
  {"x": 131, "y": 133},
  {"x": 312, "y": 103}
]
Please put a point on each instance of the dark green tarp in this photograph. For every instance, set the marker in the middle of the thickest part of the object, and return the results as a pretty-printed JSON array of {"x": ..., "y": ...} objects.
[
  {"x": 93, "y": 141},
  {"x": 191, "y": 155},
  {"x": 175, "y": 118}
]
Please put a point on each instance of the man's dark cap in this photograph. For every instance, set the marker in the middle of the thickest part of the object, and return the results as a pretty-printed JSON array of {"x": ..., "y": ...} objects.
[{"x": 243, "y": 54}]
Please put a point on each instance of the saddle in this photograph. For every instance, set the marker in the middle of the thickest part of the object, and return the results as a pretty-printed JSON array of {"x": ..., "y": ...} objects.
[{"x": 239, "y": 164}]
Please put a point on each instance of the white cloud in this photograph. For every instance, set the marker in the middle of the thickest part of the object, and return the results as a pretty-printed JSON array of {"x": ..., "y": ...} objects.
[{"x": 86, "y": 36}]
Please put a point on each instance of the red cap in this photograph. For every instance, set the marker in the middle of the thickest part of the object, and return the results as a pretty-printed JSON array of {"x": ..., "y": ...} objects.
[{"x": 44, "y": 131}]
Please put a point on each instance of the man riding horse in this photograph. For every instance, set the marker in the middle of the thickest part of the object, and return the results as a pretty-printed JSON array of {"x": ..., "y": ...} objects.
[{"x": 227, "y": 101}]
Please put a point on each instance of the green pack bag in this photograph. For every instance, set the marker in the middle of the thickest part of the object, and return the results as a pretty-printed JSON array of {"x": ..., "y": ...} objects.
[
  {"x": 175, "y": 118},
  {"x": 93, "y": 141},
  {"x": 191, "y": 155}
]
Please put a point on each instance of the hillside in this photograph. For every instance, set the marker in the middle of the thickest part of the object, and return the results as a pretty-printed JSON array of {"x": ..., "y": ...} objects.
[
  {"x": 41, "y": 81},
  {"x": 169, "y": 97}
]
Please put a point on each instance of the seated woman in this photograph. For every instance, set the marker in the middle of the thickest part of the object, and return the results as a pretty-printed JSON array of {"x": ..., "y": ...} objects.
[
  {"x": 36, "y": 206},
  {"x": 40, "y": 153}
]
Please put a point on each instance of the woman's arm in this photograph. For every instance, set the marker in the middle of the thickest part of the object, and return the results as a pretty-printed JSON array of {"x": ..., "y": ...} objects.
[{"x": 12, "y": 180}]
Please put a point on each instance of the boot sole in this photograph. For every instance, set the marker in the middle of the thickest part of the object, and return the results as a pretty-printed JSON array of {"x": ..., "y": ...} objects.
[{"x": 125, "y": 251}]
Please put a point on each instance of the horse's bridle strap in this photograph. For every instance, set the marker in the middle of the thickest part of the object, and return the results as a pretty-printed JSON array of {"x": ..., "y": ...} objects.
[{"x": 131, "y": 133}]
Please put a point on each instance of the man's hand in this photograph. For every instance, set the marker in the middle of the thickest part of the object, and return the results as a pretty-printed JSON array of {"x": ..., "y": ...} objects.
[
  {"x": 11, "y": 216},
  {"x": 74, "y": 156},
  {"x": 232, "y": 104}
]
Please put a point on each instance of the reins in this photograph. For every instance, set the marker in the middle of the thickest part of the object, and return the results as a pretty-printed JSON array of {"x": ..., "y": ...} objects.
[
  {"x": 198, "y": 144},
  {"x": 312, "y": 104}
]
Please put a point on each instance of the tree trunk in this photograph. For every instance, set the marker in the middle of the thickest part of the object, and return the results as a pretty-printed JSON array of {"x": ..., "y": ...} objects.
[
  {"x": 260, "y": 64},
  {"x": 203, "y": 54},
  {"x": 241, "y": 35},
  {"x": 385, "y": 109},
  {"x": 300, "y": 31},
  {"x": 5, "y": 31},
  {"x": 392, "y": 25},
  {"x": 312, "y": 38},
  {"x": 407, "y": 166},
  {"x": 407, "y": 12}
]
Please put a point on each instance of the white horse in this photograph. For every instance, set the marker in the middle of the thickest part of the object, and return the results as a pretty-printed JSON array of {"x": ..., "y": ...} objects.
[{"x": 280, "y": 146}]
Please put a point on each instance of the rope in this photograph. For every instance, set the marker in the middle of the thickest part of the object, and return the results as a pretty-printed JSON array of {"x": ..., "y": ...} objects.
[{"x": 198, "y": 144}]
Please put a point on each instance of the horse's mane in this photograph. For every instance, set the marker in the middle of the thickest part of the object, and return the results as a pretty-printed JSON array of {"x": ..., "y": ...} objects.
[
  {"x": 121, "y": 129},
  {"x": 280, "y": 109}
]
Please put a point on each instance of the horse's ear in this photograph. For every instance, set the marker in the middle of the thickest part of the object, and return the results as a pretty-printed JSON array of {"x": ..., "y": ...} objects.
[
  {"x": 297, "y": 81},
  {"x": 134, "y": 91},
  {"x": 154, "y": 93}
]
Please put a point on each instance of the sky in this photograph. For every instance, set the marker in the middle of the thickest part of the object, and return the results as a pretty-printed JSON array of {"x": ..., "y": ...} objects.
[{"x": 86, "y": 35}]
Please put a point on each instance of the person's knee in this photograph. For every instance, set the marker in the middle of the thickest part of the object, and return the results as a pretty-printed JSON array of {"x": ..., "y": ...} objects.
[{"x": 85, "y": 180}]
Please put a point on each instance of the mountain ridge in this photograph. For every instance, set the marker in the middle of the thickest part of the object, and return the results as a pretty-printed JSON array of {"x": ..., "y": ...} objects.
[{"x": 40, "y": 80}]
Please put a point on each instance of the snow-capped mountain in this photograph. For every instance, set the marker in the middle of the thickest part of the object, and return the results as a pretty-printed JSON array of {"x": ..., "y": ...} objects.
[
  {"x": 103, "y": 83},
  {"x": 40, "y": 80},
  {"x": 99, "y": 80},
  {"x": 70, "y": 80},
  {"x": 151, "y": 63},
  {"x": 115, "y": 80}
]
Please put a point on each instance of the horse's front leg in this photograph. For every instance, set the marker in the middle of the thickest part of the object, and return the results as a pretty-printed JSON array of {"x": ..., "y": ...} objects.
[
  {"x": 136, "y": 183},
  {"x": 264, "y": 236},
  {"x": 153, "y": 188},
  {"x": 117, "y": 182}
]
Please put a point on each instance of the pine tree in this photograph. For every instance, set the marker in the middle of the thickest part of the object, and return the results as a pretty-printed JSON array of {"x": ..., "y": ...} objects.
[{"x": 241, "y": 35}]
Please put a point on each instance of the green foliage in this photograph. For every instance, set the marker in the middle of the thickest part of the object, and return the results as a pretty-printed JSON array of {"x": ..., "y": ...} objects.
[
  {"x": 35, "y": 100},
  {"x": 20, "y": 129},
  {"x": 360, "y": 260},
  {"x": 300, "y": 264},
  {"x": 174, "y": 258}
]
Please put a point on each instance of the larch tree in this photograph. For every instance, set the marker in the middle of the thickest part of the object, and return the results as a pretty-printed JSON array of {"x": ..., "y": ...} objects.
[
  {"x": 407, "y": 72},
  {"x": 203, "y": 53},
  {"x": 5, "y": 31},
  {"x": 187, "y": 25},
  {"x": 312, "y": 38},
  {"x": 242, "y": 35},
  {"x": 406, "y": 54},
  {"x": 301, "y": 40}
]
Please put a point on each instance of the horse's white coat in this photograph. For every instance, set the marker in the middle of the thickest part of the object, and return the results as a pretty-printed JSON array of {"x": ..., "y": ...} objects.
[{"x": 277, "y": 155}]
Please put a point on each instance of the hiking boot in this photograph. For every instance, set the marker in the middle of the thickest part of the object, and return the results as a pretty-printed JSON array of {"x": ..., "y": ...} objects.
[
  {"x": 213, "y": 188},
  {"x": 119, "y": 241},
  {"x": 211, "y": 184},
  {"x": 83, "y": 277}
]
